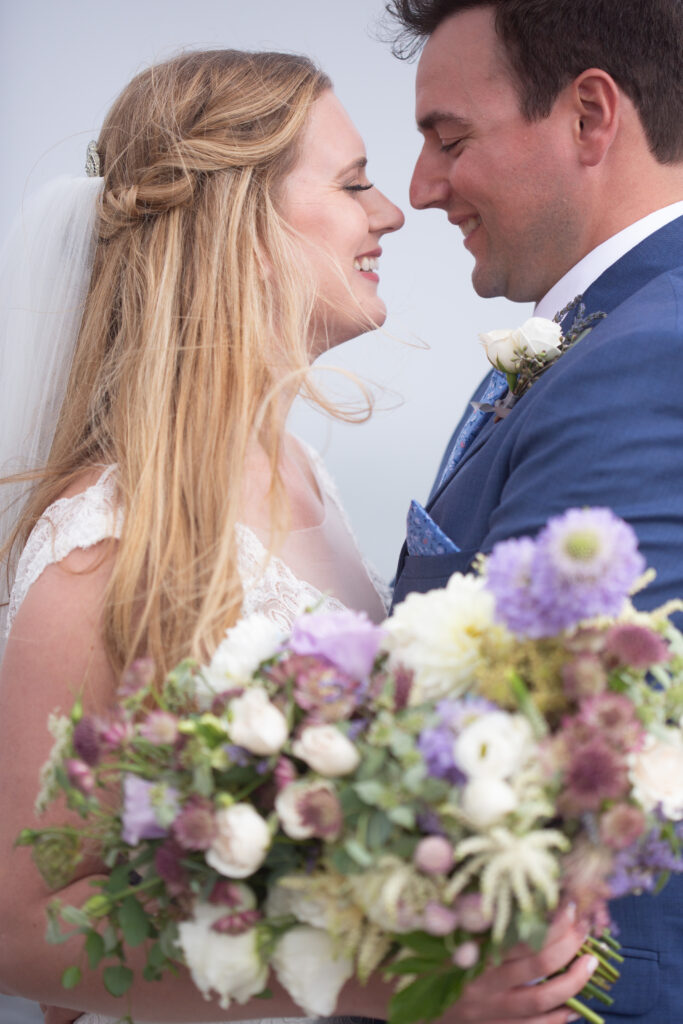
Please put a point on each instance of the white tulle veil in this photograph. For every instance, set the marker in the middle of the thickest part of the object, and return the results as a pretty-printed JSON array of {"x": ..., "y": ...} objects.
[{"x": 45, "y": 268}]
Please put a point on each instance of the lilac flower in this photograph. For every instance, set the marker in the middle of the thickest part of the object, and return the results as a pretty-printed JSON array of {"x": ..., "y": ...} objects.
[
  {"x": 636, "y": 869},
  {"x": 349, "y": 640},
  {"x": 143, "y": 803},
  {"x": 585, "y": 563},
  {"x": 436, "y": 746}
]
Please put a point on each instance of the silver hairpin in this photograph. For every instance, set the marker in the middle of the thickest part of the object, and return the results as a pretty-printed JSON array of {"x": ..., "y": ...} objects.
[{"x": 92, "y": 160}]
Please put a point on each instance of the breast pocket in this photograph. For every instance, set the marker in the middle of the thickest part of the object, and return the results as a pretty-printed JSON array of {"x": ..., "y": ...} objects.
[
  {"x": 426, "y": 572},
  {"x": 637, "y": 990}
]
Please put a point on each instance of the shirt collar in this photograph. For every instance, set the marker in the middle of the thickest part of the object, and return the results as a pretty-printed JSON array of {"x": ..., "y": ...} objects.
[{"x": 586, "y": 271}]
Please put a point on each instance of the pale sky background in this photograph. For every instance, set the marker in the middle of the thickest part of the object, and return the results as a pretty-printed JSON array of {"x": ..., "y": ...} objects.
[{"x": 62, "y": 62}]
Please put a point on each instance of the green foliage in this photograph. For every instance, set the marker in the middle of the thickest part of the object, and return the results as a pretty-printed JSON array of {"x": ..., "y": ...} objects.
[
  {"x": 426, "y": 998},
  {"x": 94, "y": 948},
  {"x": 134, "y": 922},
  {"x": 117, "y": 979},
  {"x": 71, "y": 977}
]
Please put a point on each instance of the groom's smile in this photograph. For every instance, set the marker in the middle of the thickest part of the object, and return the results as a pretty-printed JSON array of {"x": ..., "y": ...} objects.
[{"x": 511, "y": 185}]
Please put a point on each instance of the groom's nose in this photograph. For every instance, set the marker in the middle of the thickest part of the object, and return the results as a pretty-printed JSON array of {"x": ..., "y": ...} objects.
[{"x": 429, "y": 184}]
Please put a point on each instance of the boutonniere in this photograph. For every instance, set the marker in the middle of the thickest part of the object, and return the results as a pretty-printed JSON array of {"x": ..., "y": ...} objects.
[{"x": 525, "y": 353}]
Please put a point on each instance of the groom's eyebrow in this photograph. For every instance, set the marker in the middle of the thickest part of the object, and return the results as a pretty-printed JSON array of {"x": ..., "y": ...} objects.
[{"x": 434, "y": 117}]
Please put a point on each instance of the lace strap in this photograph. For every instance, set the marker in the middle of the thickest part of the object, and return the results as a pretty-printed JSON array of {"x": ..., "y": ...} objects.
[{"x": 69, "y": 523}]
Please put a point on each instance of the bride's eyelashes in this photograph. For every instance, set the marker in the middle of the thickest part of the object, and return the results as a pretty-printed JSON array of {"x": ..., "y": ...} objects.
[{"x": 358, "y": 188}]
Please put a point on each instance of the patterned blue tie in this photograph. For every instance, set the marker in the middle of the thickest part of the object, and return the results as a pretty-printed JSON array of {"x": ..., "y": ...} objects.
[{"x": 495, "y": 389}]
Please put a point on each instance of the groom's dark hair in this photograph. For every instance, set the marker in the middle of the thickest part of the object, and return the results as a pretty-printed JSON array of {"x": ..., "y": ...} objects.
[{"x": 549, "y": 42}]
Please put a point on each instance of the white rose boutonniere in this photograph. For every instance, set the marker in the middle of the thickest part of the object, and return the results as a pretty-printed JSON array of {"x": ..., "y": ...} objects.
[
  {"x": 242, "y": 842},
  {"x": 537, "y": 339}
]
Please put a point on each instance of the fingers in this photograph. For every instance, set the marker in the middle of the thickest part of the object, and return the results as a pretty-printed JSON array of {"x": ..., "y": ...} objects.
[{"x": 542, "y": 1003}]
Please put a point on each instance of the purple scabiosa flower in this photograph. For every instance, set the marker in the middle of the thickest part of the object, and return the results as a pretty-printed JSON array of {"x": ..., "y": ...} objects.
[
  {"x": 458, "y": 714},
  {"x": 238, "y": 755},
  {"x": 584, "y": 565},
  {"x": 596, "y": 772},
  {"x": 168, "y": 863},
  {"x": 621, "y": 826},
  {"x": 508, "y": 576},
  {"x": 143, "y": 803},
  {"x": 348, "y": 640},
  {"x": 627, "y": 643},
  {"x": 160, "y": 728},
  {"x": 613, "y": 717},
  {"x": 86, "y": 740},
  {"x": 80, "y": 776},
  {"x": 636, "y": 869},
  {"x": 194, "y": 828}
]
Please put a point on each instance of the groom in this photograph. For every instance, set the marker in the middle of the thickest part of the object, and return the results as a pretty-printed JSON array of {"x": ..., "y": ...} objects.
[{"x": 553, "y": 138}]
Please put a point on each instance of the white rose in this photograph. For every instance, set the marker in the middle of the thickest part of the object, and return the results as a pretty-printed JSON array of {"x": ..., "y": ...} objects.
[
  {"x": 656, "y": 773},
  {"x": 256, "y": 724},
  {"x": 326, "y": 750},
  {"x": 536, "y": 337},
  {"x": 309, "y": 968},
  {"x": 494, "y": 746},
  {"x": 252, "y": 640},
  {"x": 439, "y": 634},
  {"x": 227, "y": 964},
  {"x": 242, "y": 841},
  {"x": 485, "y": 801}
]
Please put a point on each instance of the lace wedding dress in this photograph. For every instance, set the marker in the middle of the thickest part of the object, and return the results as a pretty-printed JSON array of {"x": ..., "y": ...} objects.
[{"x": 326, "y": 553}]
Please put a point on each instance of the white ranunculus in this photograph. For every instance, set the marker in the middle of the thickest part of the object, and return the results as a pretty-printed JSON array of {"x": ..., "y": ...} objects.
[
  {"x": 309, "y": 968},
  {"x": 283, "y": 899},
  {"x": 256, "y": 724},
  {"x": 439, "y": 635},
  {"x": 486, "y": 800},
  {"x": 326, "y": 750},
  {"x": 294, "y": 800},
  {"x": 656, "y": 773},
  {"x": 494, "y": 746},
  {"x": 242, "y": 842},
  {"x": 226, "y": 964},
  {"x": 536, "y": 337},
  {"x": 252, "y": 640}
]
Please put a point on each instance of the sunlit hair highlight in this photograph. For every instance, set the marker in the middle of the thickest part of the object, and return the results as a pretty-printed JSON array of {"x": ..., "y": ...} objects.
[{"x": 194, "y": 336}]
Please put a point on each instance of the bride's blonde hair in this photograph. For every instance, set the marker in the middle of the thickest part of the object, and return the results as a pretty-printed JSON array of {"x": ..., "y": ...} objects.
[{"x": 196, "y": 314}]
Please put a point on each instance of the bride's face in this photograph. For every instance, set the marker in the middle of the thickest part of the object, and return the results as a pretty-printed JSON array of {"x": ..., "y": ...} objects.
[{"x": 338, "y": 217}]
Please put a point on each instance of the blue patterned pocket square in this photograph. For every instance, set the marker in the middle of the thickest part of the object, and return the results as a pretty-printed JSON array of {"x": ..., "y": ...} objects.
[{"x": 424, "y": 537}]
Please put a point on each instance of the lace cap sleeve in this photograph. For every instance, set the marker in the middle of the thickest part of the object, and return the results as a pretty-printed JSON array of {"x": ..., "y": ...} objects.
[{"x": 69, "y": 523}]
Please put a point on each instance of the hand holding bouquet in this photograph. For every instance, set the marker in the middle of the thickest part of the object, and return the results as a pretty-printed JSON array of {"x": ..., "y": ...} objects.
[{"x": 412, "y": 799}]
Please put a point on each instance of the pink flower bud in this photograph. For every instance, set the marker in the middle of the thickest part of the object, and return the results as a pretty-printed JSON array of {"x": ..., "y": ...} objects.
[
  {"x": 439, "y": 920},
  {"x": 434, "y": 855},
  {"x": 470, "y": 913},
  {"x": 80, "y": 776},
  {"x": 466, "y": 955},
  {"x": 236, "y": 924}
]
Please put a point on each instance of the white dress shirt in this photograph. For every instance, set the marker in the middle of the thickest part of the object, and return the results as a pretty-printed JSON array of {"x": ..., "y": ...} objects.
[{"x": 586, "y": 271}]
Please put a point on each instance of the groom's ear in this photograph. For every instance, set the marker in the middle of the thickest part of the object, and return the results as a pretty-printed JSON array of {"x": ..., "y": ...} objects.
[{"x": 596, "y": 101}]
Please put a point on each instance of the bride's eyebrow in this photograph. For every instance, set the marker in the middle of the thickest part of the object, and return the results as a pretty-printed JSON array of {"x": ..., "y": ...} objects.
[{"x": 356, "y": 165}]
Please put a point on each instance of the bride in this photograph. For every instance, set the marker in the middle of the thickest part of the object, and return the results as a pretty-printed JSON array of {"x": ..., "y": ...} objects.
[
  {"x": 228, "y": 234},
  {"x": 237, "y": 238}
]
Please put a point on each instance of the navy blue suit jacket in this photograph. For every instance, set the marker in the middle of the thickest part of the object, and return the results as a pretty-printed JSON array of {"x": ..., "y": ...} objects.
[{"x": 602, "y": 426}]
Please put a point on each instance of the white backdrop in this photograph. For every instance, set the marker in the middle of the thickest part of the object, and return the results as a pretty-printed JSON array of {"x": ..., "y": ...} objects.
[{"x": 61, "y": 65}]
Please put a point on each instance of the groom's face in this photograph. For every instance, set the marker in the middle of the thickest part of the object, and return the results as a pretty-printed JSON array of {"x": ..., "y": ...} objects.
[{"x": 509, "y": 184}]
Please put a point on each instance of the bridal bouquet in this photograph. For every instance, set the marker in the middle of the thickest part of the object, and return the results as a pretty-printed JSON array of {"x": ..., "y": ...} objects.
[{"x": 411, "y": 799}]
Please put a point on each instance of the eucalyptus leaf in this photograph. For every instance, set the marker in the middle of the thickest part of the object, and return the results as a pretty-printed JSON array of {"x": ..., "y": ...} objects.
[
  {"x": 118, "y": 979},
  {"x": 74, "y": 915},
  {"x": 403, "y": 816},
  {"x": 134, "y": 921},
  {"x": 71, "y": 977},
  {"x": 94, "y": 948},
  {"x": 428, "y": 946}
]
